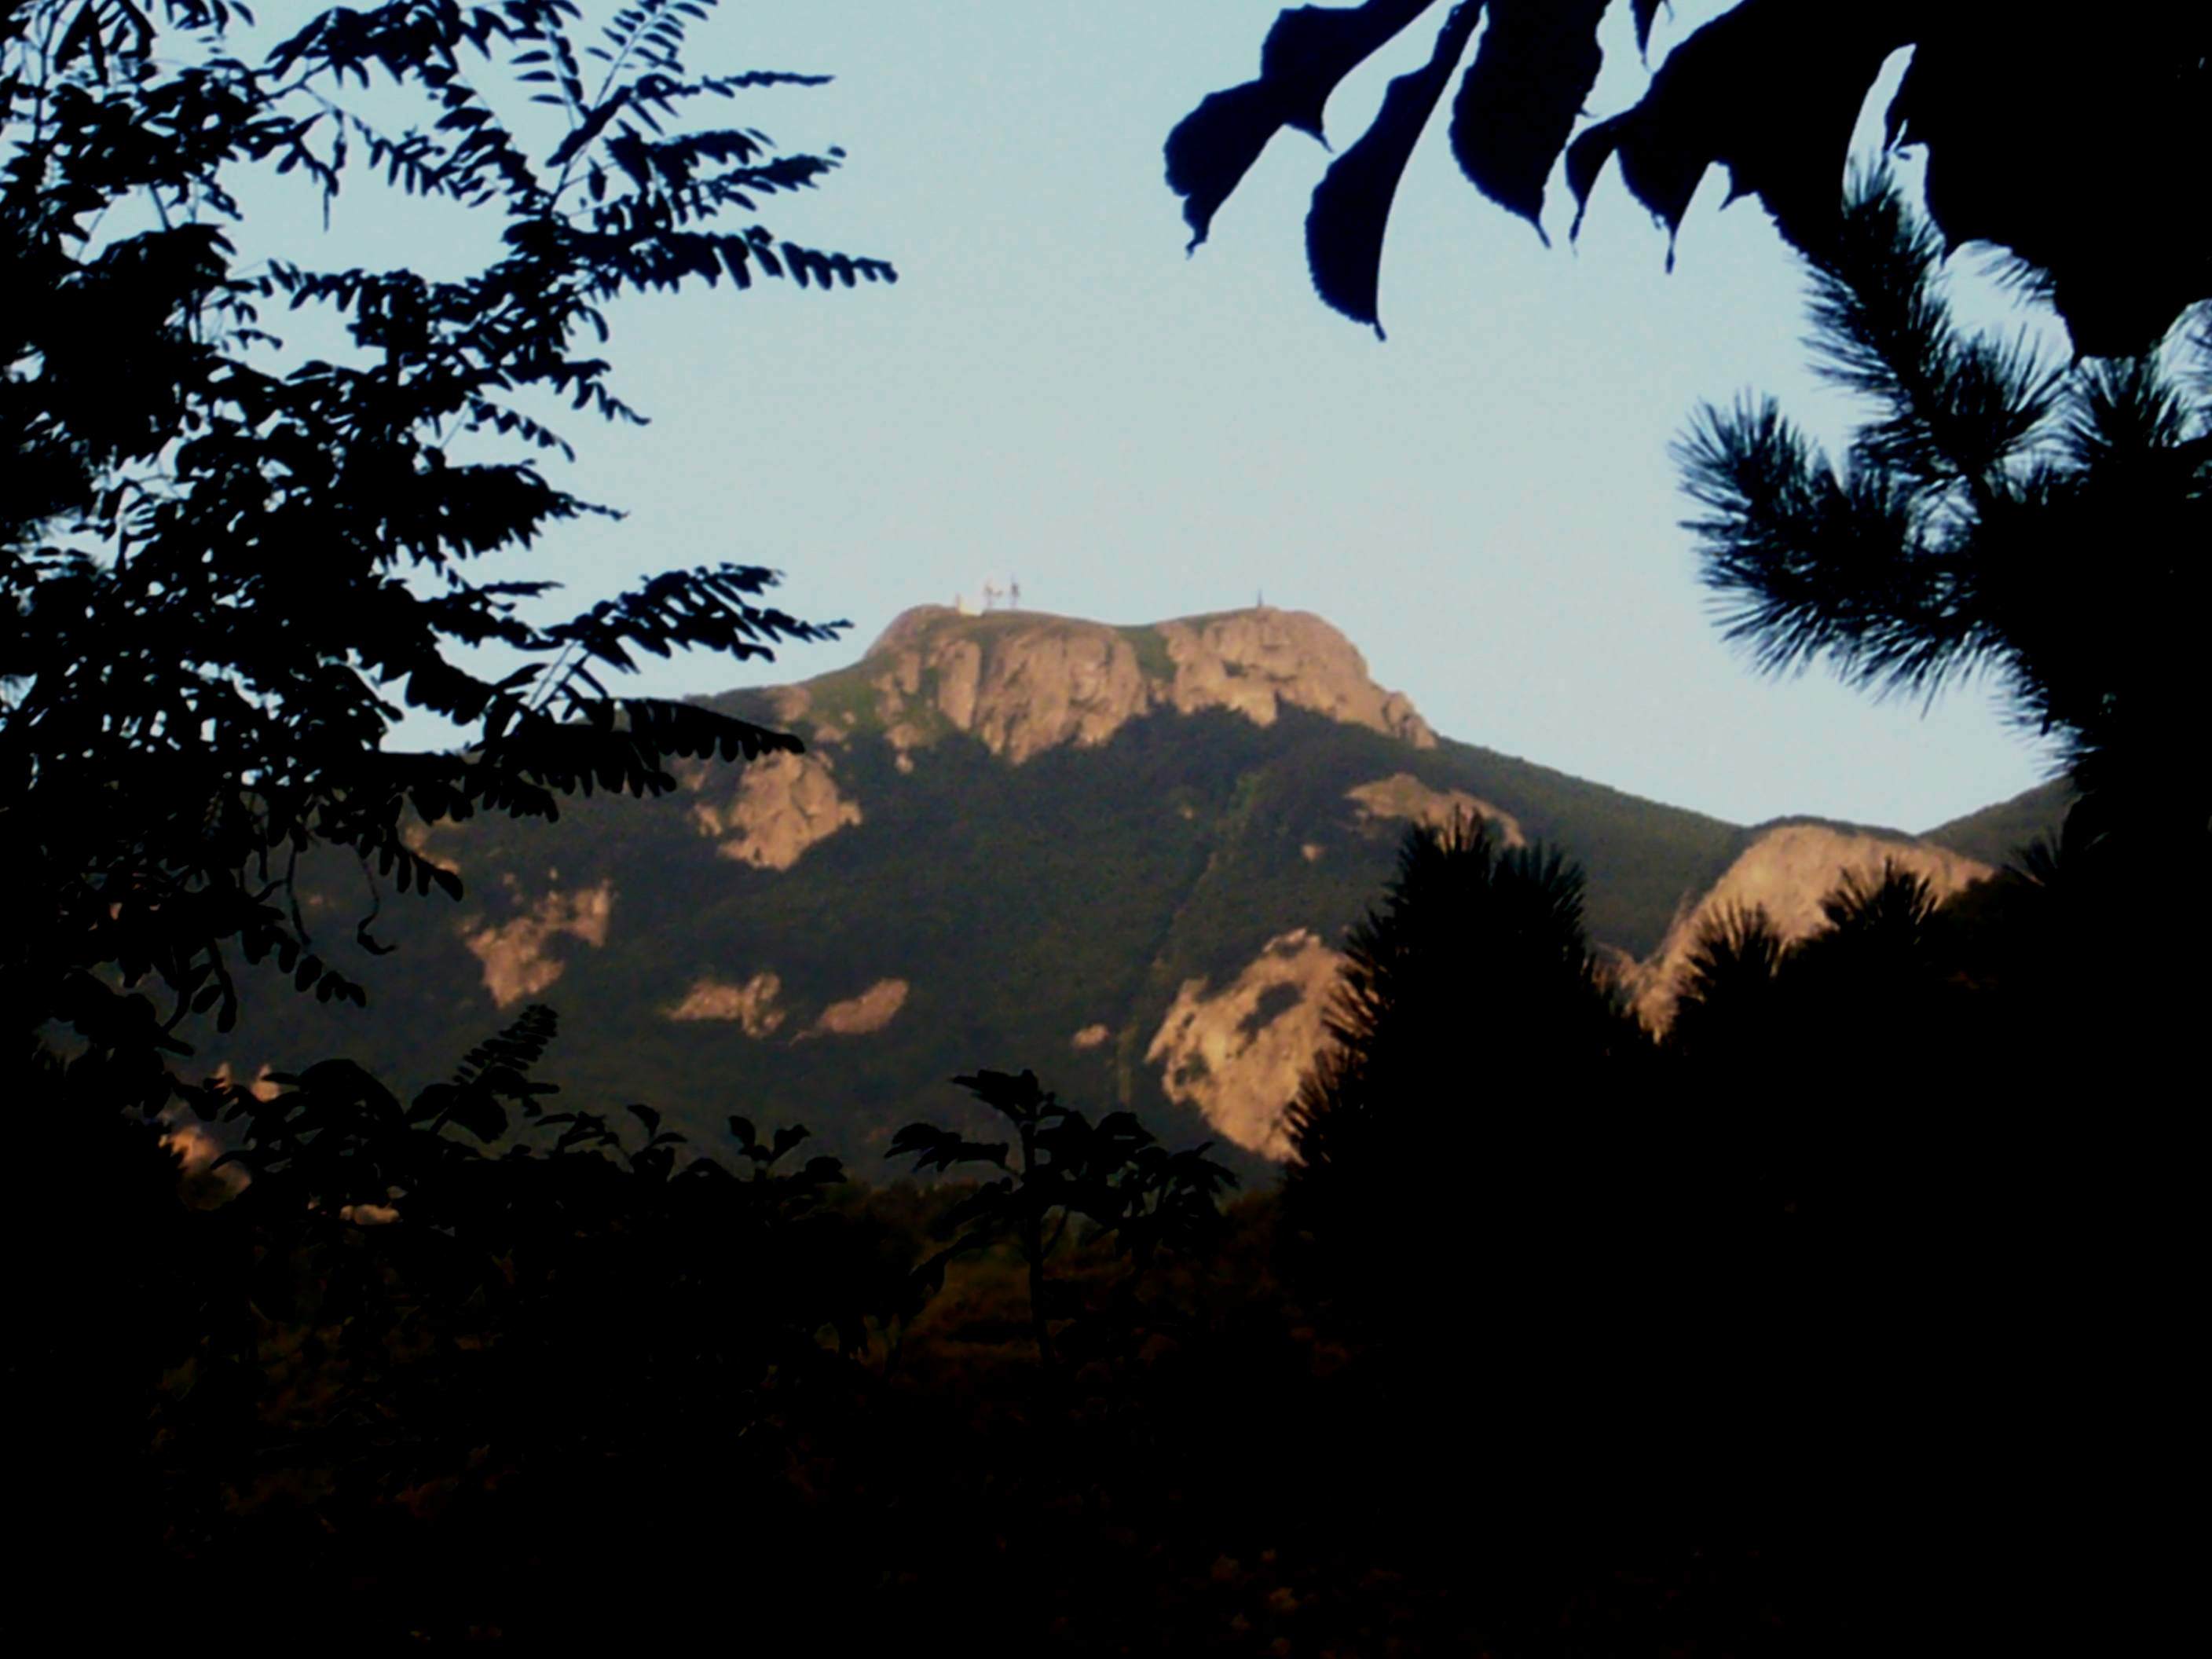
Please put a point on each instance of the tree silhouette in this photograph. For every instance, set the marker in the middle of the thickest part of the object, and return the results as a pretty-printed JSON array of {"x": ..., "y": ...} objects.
[
  {"x": 1471, "y": 1029},
  {"x": 1727, "y": 1003},
  {"x": 1772, "y": 91},
  {"x": 232, "y": 565},
  {"x": 1952, "y": 1122},
  {"x": 1886, "y": 1006},
  {"x": 1950, "y": 539},
  {"x": 1568, "y": 1274}
]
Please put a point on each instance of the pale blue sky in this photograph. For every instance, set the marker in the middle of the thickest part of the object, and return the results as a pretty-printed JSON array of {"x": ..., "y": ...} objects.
[{"x": 1485, "y": 504}]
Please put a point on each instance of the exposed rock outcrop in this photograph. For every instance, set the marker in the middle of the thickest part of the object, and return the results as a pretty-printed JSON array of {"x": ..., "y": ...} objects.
[
  {"x": 199, "y": 1148},
  {"x": 1402, "y": 795},
  {"x": 784, "y": 804},
  {"x": 516, "y": 957},
  {"x": 1259, "y": 662},
  {"x": 1239, "y": 1054},
  {"x": 263, "y": 1085},
  {"x": 1787, "y": 871},
  {"x": 1023, "y": 682},
  {"x": 871, "y": 1010},
  {"x": 418, "y": 838},
  {"x": 1022, "y": 686},
  {"x": 751, "y": 1005},
  {"x": 1052, "y": 685}
]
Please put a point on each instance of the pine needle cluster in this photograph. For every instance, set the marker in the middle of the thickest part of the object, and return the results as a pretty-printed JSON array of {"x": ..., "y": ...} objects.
[{"x": 2047, "y": 525}]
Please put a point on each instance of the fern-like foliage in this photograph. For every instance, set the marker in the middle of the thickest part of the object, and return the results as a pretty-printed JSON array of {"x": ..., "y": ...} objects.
[{"x": 230, "y": 566}]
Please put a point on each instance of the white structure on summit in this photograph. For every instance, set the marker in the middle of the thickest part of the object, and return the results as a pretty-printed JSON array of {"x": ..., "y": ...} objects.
[{"x": 992, "y": 594}]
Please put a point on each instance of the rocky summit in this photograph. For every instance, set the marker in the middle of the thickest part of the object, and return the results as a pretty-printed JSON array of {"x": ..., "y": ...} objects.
[
  {"x": 1121, "y": 855},
  {"x": 1020, "y": 682}
]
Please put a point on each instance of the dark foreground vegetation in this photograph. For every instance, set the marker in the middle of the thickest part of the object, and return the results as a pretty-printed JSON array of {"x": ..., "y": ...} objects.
[{"x": 1556, "y": 1339}]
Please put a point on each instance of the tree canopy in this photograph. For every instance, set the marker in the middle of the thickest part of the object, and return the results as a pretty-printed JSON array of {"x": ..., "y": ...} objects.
[
  {"x": 2067, "y": 146},
  {"x": 232, "y": 564},
  {"x": 1471, "y": 1018},
  {"x": 1995, "y": 513}
]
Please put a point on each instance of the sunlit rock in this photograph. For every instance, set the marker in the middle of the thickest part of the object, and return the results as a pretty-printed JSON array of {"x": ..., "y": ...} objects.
[
  {"x": 419, "y": 839},
  {"x": 957, "y": 664},
  {"x": 1022, "y": 683},
  {"x": 1238, "y": 1054},
  {"x": 516, "y": 956},
  {"x": 1057, "y": 684},
  {"x": 1402, "y": 795},
  {"x": 751, "y": 1005},
  {"x": 783, "y": 805},
  {"x": 1257, "y": 662},
  {"x": 1787, "y": 873},
  {"x": 871, "y": 1010}
]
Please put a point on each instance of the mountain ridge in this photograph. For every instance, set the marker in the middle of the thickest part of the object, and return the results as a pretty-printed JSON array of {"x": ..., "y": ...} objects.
[{"x": 1121, "y": 854}]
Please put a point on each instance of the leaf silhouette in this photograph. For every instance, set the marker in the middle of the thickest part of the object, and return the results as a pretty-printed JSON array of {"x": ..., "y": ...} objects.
[
  {"x": 1351, "y": 204},
  {"x": 1771, "y": 89},
  {"x": 1307, "y": 52},
  {"x": 1717, "y": 98},
  {"x": 1517, "y": 105},
  {"x": 2051, "y": 184},
  {"x": 1644, "y": 10}
]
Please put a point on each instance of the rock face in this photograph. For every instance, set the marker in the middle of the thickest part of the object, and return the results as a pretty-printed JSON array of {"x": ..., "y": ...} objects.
[
  {"x": 196, "y": 1149},
  {"x": 417, "y": 837},
  {"x": 1043, "y": 688},
  {"x": 1257, "y": 662},
  {"x": 1402, "y": 795},
  {"x": 1787, "y": 871},
  {"x": 1239, "y": 1054},
  {"x": 871, "y": 1010},
  {"x": 752, "y": 1004},
  {"x": 784, "y": 804},
  {"x": 517, "y": 963},
  {"x": 1022, "y": 683}
]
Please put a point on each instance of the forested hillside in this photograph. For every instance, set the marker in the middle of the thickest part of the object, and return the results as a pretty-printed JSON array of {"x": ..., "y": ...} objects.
[{"x": 1021, "y": 858}]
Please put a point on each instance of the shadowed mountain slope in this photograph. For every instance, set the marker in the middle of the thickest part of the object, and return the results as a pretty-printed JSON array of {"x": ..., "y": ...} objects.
[
  {"x": 1119, "y": 855},
  {"x": 1996, "y": 833}
]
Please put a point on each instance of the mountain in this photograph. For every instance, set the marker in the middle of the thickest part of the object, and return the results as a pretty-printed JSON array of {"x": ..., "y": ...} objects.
[
  {"x": 1996, "y": 833},
  {"x": 1120, "y": 855}
]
